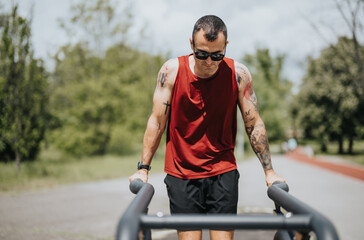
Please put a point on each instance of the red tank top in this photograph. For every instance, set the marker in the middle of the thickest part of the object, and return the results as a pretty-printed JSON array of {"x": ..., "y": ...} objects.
[{"x": 202, "y": 126}]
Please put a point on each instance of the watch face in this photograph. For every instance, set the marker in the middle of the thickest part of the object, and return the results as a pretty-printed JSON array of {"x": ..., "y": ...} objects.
[{"x": 139, "y": 165}]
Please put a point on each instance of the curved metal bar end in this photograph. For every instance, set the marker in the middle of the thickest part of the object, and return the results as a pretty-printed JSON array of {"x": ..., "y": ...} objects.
[
  {"x": 136, "y": 185},
  {"x": 281, "y": 185}
]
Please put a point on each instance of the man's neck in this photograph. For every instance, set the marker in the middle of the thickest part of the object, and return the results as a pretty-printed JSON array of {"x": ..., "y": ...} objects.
[{"x": 195, "y": 69}]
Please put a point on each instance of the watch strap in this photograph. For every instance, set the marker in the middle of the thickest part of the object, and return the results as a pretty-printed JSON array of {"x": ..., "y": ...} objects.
[{"x": 143, "y": 166}]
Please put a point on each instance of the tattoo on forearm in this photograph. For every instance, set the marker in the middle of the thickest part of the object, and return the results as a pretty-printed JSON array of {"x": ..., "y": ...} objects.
[
  {"x": 260, "y": 145},
  {"x": 249, "y": 130},
  {"x": 167, "y": 106},
  {"x": 247, "y": 117}
]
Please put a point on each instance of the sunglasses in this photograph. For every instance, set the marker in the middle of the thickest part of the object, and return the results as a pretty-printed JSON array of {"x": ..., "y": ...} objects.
[{"x": 204, "y": 55}]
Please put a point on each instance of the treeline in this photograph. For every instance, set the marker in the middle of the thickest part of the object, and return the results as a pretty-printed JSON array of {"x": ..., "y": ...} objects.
[
  {"x": 330, "y": 104},
  {"x": 273, "y": 91},
  {"x": 98, "y": 98},
  {"x": 23, "y": 92},
  {"x": 92, "y": 103},
  {"x": 101, "y": 103}
]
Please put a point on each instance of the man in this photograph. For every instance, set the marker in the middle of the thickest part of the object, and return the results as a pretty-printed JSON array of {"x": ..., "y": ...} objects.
[{"x": 199, "y": 94}]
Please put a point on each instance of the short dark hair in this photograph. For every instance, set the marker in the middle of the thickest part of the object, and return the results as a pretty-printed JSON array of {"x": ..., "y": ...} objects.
[{"x": 212, "y": 25}]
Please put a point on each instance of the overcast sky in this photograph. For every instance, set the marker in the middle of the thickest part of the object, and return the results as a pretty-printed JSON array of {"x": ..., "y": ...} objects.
[{"x": 280, "y": 25}]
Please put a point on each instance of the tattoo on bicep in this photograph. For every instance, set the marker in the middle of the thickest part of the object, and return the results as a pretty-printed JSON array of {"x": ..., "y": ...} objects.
[
  {"x": 260, "y": 145},
  {"x": 162, "y": 76},
  {"x": 238, "y": 79},
  {"x": 168, "y": 105},
  {"x": 250, "y": 95},
  {"x": 240, "y": 72},
  {"x": 241, "y": 69}
]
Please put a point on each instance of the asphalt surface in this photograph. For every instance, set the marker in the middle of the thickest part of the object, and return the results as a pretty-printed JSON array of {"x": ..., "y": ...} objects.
[{"x": 92, "y": 210}]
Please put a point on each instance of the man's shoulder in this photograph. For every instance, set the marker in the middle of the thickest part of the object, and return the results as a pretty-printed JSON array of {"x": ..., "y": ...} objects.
[
  {"x": 242, "y": 73},
  {"x": 168, "y": 73},
  {"x": 171, "y": 66},
  {"x": 239, "y": 66}
]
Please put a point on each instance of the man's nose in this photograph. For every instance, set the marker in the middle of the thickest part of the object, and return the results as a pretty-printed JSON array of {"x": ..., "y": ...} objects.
[{"x": 209, "y": 60}]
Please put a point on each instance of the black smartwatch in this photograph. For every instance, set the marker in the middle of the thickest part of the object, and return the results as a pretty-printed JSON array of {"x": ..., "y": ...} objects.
[{"x": 143, "y": 166}]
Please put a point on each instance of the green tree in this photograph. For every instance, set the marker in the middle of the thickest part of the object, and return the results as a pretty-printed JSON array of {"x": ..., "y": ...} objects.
[
  {"x": 96, "y": 97},
  {"x": 96, "y": 89},
  {"x": 23, "y": 90},
  {"x": 272, "y": 89},
  {"x": 330, "y": 103},
  {"x": 351, "y": 12}
]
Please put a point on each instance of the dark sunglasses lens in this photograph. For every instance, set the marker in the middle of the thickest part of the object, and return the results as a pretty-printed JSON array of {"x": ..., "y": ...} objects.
[
  {"x": 217, "y": 57},
  {"x": 204, "y": 56},
  {"x": 201, "y": 55}
]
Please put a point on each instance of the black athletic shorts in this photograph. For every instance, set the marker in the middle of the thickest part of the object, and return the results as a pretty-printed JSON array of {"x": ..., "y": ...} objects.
[{"x": 217, "y": 194}]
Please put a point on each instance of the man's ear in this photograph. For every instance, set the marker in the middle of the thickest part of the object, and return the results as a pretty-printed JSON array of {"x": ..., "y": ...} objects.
[{"x": 191, "y": 43}]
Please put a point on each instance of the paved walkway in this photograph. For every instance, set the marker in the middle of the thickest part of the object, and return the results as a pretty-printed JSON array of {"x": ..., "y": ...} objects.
[
  {"x": 92, "y": 210},
  {"x": 337, "y": 196}
]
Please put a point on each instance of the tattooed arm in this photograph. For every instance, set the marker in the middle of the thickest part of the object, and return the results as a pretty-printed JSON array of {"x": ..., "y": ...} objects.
[
  {"x": 254, "y": 125},
  {"x": 158, "y": 119}
]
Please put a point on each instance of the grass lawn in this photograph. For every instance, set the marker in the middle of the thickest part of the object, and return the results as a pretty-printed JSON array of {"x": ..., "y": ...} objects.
[
  {"x": 54, "y": 169},
  {"x": 332, "y": 150}
]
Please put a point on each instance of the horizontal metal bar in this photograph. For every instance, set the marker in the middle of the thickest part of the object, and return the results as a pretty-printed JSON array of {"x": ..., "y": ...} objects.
[
  {"x": 190, "y": 221},
  {"x": 304, "y": 217}
]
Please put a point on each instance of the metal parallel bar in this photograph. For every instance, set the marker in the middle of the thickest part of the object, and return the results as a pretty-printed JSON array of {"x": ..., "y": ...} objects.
[
  {"x": 283, "y": 235},
  {"x": 129, "y": 224},
  {"x": 190, "y": 221},
  {"x": 322, "y": 226},
  {"x": 304, "y": 219},
  {"x": 147, "y": 233}
]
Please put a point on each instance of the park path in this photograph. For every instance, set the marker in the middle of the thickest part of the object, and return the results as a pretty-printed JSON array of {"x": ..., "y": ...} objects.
[{"x": 92, "y": 210}]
